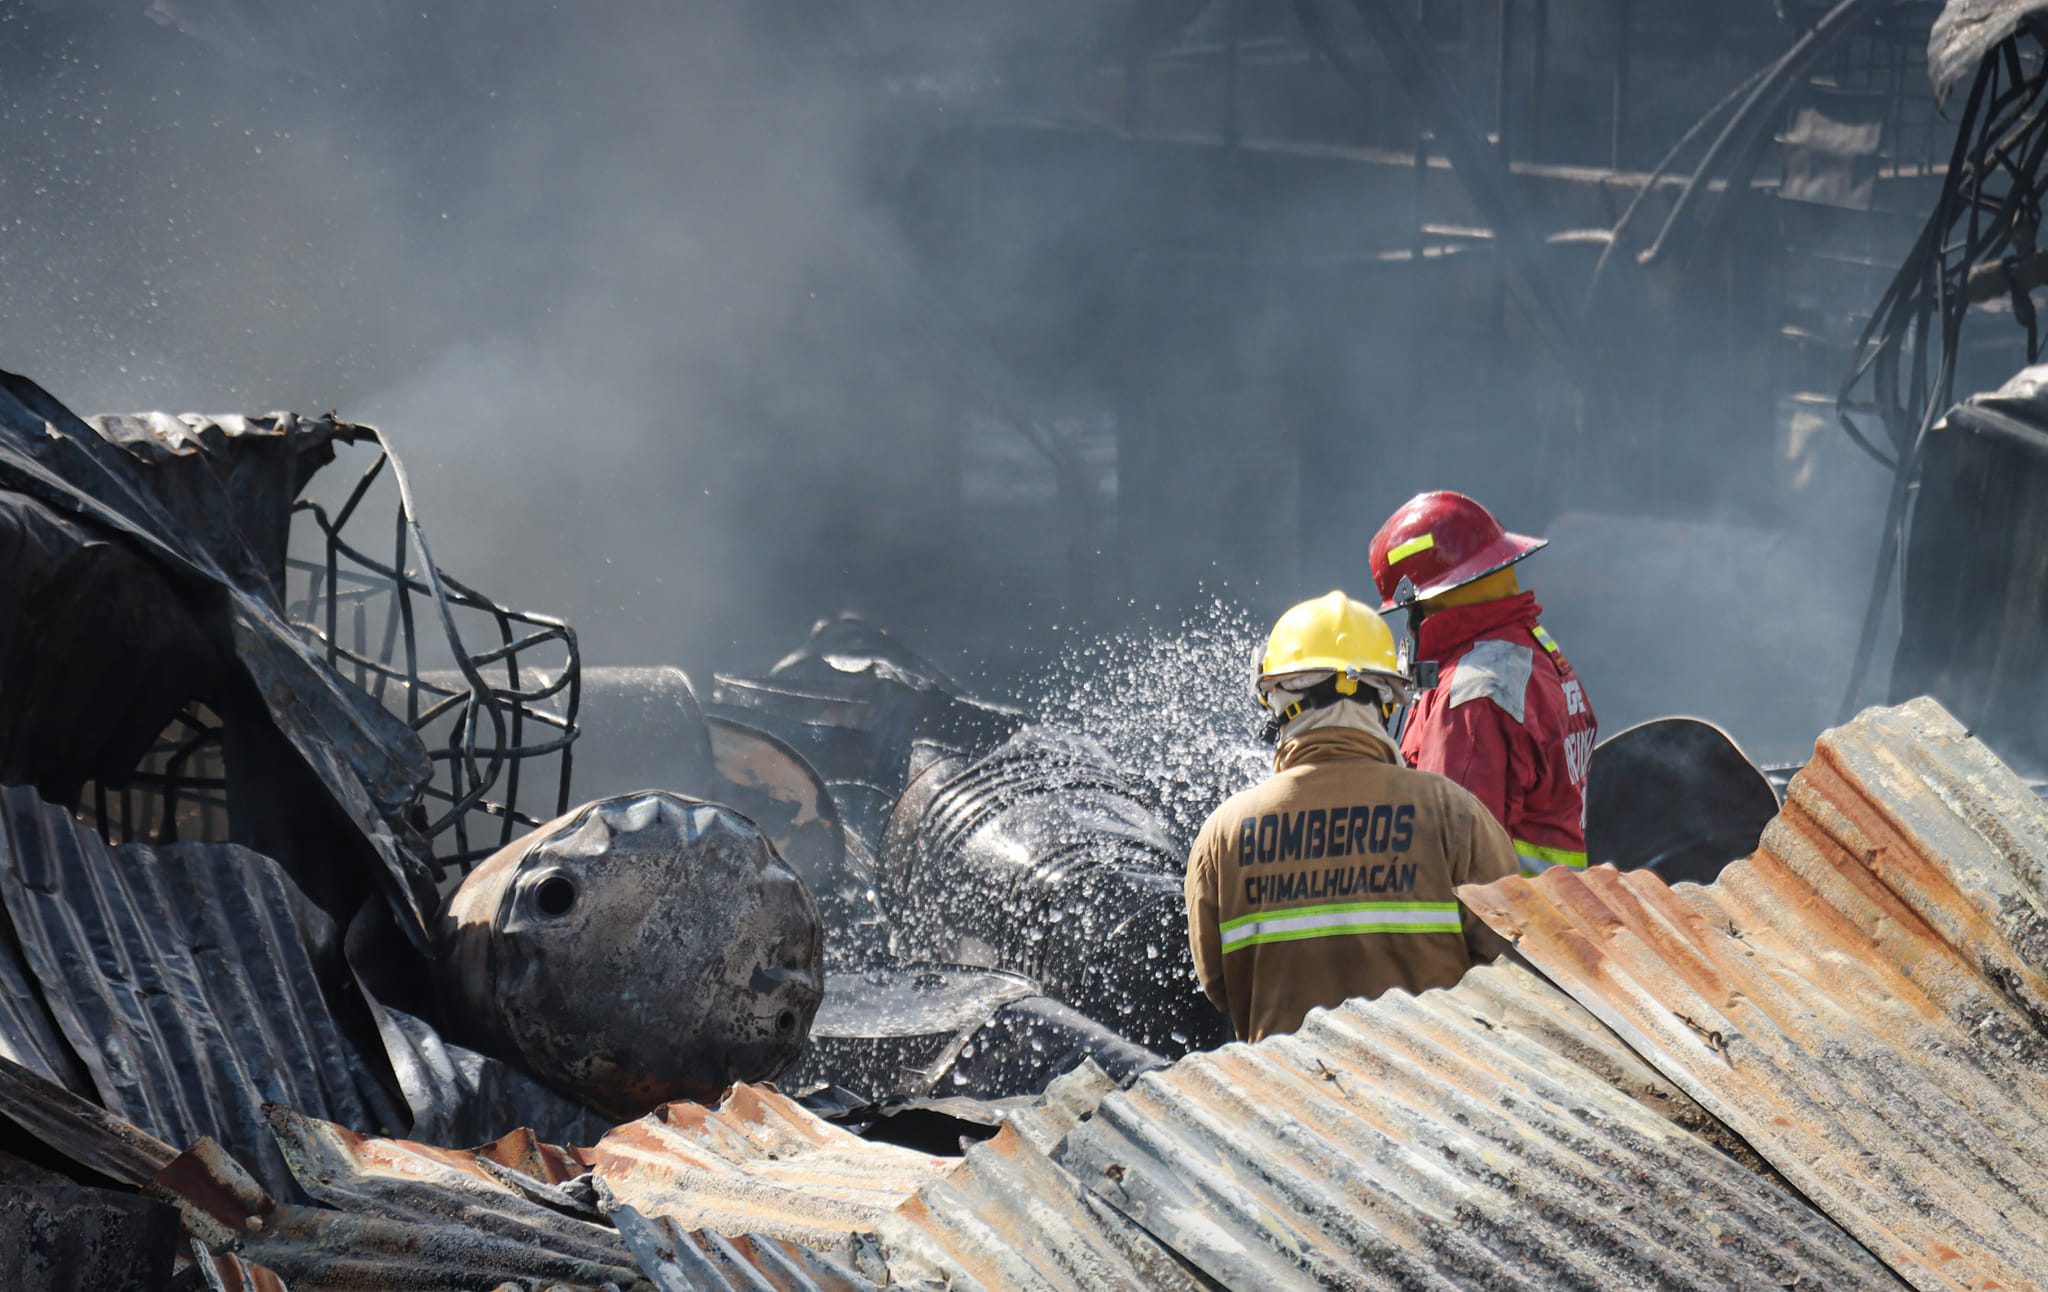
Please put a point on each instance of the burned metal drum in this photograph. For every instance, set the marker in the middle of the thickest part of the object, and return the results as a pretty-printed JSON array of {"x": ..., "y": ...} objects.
[
  {"x": 640, "y": 949},
  {"x": 1042, "y": 860}
]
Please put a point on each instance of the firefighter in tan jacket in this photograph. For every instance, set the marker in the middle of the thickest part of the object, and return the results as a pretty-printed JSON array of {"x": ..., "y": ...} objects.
[{"x": 1336, "y": 877}]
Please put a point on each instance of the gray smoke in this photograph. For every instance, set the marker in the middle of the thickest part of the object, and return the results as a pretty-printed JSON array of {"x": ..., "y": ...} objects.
[{"x": 697, "y": 321}]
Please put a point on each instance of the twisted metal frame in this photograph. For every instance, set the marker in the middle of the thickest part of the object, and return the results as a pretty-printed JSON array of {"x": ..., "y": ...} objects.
[
  {"x": 485, "y": 720},
  {"x": 1981, "y": 242}
]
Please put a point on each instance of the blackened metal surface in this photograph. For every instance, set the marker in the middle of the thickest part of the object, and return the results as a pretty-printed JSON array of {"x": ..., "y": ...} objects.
[
  {"x": 180, "y": 976},
  {"x": 1966, "y": 31},
  {"x": 768, "y": 781},
  {"x": 1675, "y": 796},
  {"x": 456, "y": 1095},
  {"x": 1978, "y": 604},
  {"x": 757, "y": 1163},
  {"x": 80, "y": 1134},
  {"x": 887, "y": 1033},
  {"x": 366, "y": 760},
  {"x": 93, "y": 1240},
  {"x": 256, "y": 465},
  {"x": 1041, "y": 860},
  {"x": 909, "y": 1032},
  {"x": 854, "y": 701},
  {"x": 639, "y": 949},
  {"x": 1862, "y": 1001},
  {"x": 1030, "y": 1042},
  {"x": 1436, "y": 1141}
]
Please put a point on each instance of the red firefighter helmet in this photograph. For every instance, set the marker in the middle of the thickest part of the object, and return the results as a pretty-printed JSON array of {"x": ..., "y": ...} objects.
[{"x": 1439, "y": 541}]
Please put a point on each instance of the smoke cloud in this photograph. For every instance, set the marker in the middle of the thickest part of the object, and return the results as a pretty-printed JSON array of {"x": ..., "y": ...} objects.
[{"x": 697, "y": 321}]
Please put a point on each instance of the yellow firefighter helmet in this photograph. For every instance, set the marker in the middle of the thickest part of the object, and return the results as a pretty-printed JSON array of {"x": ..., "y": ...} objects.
[{"x": 1331, "y": 637}]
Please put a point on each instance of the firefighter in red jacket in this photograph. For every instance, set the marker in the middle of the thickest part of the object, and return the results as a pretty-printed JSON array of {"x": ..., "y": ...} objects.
[{"x": 1507, "y": 718}]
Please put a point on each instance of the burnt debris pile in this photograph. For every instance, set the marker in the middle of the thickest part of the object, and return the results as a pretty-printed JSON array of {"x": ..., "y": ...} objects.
[{"x": 293, "y": 838}]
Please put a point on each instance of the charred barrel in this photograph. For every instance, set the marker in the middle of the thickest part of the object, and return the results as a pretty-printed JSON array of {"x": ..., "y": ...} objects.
[
  {"x": 640, "y": 949},
  {"x": 1040, "y": 859}
]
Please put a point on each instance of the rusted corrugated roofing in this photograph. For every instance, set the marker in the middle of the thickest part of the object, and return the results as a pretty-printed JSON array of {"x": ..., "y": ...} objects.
[
  {"x": 1828, "y": 1070},
  {"x": 179, "y": 976},
  {"x": 1439, "y": 1141},
  {"x": 758, "y": 1163},
  {"x": 1863, "y": 1001}
]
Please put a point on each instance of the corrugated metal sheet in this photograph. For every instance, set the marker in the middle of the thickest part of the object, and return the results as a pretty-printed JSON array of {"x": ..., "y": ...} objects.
[
  {"x": 1440, "y": 1141},
  {"x": 453, "y": 1189},
  {"x": 180, "y": 977},
  {"x": 413, "y": 1215},
  {"x": 758, "y": 1163},
  {"x": 78, "y": 1130},
  {"x": 1010, "y": 1218},
  {"x": 705, "y": 1262},
  {"x": 1865, "y": 1001}
]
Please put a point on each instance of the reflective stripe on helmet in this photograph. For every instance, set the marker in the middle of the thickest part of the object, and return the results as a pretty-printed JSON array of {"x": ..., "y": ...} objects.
[
  {"x": 1402, "y": 551},
  {"x": 1338, "y": 920},
  {"x": 1536, "y": 858},
  {"x": 1543, "y": 639}
]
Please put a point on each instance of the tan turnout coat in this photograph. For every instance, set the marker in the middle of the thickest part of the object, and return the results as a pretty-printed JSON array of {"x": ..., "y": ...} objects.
[{"x": 1335, "y": 878}]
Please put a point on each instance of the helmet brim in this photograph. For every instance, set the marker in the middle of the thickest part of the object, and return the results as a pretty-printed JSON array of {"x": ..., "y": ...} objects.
[{"x": 1491, "y": 559}]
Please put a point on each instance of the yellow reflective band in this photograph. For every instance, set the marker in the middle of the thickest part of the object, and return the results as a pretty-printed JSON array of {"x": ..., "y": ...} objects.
[
  {"x": 1542, "y": 637},
  {"x": 1337, "y": 921},
  {"x": 1410, "y": 548},
  {"x": 1536, "y": 858}
]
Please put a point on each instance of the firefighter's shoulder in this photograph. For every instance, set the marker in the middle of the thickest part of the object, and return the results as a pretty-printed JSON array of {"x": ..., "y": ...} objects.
[{"x": 1493, "y": 670}]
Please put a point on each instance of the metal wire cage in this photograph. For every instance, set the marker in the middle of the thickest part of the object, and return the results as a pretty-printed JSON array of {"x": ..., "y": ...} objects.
[{"x": 497, "y": 718}]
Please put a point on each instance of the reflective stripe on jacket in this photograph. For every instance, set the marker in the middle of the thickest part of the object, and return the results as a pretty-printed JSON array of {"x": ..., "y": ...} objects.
[
  {"x": 1509, "y": 720},
  {"x": 1336, "y": 878}
]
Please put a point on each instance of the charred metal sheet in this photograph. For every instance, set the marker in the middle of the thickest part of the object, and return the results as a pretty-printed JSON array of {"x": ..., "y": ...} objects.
[
  {"x": 91, "y": 1240},
  {"x": 1863, "y": 1001},
  {"x": 1436, "y": 1141},
  {"x": 1042, "y": 860},
  {"x": 1980, "y": 627},
  {"x": 887, "y": 1033},
  {"x": 639, "y": 949},
  {"x": 82, "y": 1134},
  {"x": 758, "y": 1164},
  {"x": 1966, "y": 31},
  {"x": 317, "y": 1250},
  {"x": 676, "y": 1261},
  {"x": 366, "y": 761},
  {"x": 181, "y": 977},
  {"x": 853, "y": 701},
  {"x": 422, "y": 1185},
  {"x": 913, "y": 1032},
  {"x": 1677, "y": 796},
  {"x": 228, "y": 1272}
]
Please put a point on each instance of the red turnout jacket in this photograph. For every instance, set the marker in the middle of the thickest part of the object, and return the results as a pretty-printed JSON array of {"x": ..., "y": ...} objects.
[{"x": 1509, "y": 721}]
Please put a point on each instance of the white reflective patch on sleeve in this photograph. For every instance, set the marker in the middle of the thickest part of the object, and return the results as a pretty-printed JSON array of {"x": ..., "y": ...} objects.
[{"x": 1496, "y": 671}]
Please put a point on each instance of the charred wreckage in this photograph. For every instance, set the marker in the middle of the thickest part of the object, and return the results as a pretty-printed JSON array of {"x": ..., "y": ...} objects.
[
  {"x": 353, "y": 934},
  {"x": 306, "y": 838},
  {"x": 345, "y": 948}
]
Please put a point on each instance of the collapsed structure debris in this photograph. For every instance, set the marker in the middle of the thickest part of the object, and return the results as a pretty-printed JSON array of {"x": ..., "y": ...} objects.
[{"x": 1740, "y": 1053}]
